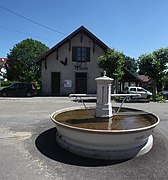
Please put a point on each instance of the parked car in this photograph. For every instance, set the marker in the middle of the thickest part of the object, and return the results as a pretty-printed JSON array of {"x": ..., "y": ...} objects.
[
  {"x": 19, "y": 89},
  {"x": 145, "y": 94},
  {"x": 164, "y": 93}
]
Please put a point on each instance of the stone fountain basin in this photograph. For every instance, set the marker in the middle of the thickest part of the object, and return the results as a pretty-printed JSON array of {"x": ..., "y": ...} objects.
[{"x": 104, "y": 144}]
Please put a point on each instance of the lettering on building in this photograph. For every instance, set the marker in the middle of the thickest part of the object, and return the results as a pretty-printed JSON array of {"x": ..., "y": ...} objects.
[{"x": 80, "y": 67}]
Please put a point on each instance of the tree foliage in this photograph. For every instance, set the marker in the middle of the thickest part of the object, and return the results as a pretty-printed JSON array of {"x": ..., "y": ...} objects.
[
  {"x": 21, "y": 64},
  {"x": 131, "y": 64},
  {"x": 165, "y": 82},
  {"x": 154, "y": 65},
  {"x": 112, "y": 61}
]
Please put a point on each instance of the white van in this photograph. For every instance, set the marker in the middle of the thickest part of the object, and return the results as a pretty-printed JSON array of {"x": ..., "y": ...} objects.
[{"x": 145, "y": 94}]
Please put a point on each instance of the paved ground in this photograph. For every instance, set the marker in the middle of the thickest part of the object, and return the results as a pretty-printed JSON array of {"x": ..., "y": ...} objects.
[{"x": 28, "y": 149}]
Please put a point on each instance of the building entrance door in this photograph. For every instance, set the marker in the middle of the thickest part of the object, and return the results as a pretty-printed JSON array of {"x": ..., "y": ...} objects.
[
  {"x": 55, "y": 83},
  {"x": 81, "y": 83}
]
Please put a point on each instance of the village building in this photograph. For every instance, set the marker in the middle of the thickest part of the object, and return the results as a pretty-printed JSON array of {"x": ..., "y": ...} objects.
[
  {"x": 71, "y": 65},
  {"x": 2, "y": 67},
  {"x": 3, "y": 61}
]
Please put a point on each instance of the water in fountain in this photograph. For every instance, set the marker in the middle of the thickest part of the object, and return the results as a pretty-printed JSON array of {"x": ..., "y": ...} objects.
[{"x": 122, "y": 121}]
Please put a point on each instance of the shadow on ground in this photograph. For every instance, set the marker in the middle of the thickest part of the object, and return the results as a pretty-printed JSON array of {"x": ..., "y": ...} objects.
[
  {"x": 46, "y": 143},
  {"x": 85, "y": 100}
]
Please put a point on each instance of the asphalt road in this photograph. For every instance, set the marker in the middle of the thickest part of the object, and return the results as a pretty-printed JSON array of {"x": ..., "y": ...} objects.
[{"x": 28, "y": 149}]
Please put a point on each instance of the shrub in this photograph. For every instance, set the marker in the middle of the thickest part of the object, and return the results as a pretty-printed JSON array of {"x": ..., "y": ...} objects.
[{"x": 160, "y": 98}]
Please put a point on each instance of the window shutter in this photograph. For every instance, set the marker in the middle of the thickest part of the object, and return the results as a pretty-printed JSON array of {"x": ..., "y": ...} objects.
[
  {"x": 87, "y": 54},
  {"x": 74, "y": 54}
]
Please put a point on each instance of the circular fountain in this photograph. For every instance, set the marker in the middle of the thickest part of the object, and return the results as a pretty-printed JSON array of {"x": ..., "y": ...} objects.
[{"x": 102, "y": 132}]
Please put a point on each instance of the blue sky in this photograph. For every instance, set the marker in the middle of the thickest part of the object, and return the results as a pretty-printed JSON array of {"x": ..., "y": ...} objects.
[{"x": 134, "y": 27}]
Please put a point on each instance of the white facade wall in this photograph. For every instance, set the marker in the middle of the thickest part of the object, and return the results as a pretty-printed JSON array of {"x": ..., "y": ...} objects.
[{"x": 68, "y": 71}]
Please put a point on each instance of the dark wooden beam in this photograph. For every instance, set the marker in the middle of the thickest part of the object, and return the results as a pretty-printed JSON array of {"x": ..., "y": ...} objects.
[
  {"x": 45, "y": 61},
  {"x": 81, "y": 36},
  {"x": 94, "y": 44},
  {"x": 57, "y": 54},
  {"x": 69, "y": 44}
]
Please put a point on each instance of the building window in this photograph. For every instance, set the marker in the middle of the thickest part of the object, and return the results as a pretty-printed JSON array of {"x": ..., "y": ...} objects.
[
  {"x": 126, "y": 84},
  {"x": 132, "y": 84},
  {"x": 80, "y": 54}
]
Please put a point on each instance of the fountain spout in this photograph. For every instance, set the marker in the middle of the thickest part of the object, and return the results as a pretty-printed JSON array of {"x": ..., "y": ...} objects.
[{"x": 103, "y": 104}]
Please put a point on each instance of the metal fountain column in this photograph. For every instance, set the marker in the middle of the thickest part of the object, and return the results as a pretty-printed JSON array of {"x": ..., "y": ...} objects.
[{"x": 103, "y": 104}]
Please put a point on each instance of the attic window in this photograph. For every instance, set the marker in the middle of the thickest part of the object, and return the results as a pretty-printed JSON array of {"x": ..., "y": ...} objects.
[{"x": 80, "y": 54}]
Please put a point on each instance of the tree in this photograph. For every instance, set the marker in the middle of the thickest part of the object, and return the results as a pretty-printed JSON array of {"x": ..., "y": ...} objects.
[
  {"x": 165, "y": 82},
  {"x": 21, "y": 64},
  {"x": 154, "y": 65},
  {"x": 112, "y": 62},
  {"x": 131, "y": 64}
]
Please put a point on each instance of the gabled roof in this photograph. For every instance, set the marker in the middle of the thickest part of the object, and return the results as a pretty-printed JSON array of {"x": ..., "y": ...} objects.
[
  {"x": 3, "y": 59},
  {"x": 144, "y": 78},
  {"x": 81, "y": 30},
  {"x": 132, "y": 74}
]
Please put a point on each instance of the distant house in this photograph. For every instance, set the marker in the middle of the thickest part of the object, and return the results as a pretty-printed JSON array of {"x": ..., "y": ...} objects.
[
  {"x": 146, "y": 81},
  {"x": 71, "y": 65},
  {"x": 2, "y": 62},
  {"x": 129, "y": 79},
  {"x": 2, "y": 67}
]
